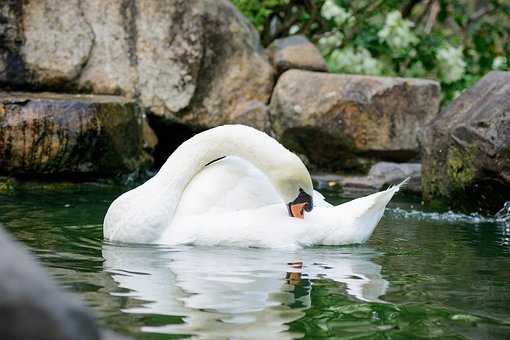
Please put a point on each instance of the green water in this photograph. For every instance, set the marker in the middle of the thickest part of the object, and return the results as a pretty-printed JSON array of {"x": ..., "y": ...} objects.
[{"x": 421, "y": 275}]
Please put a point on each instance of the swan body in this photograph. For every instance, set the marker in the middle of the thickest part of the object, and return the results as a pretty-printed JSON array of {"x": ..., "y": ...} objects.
[
  {"x": 248, "y": 212},
  {"x": 238, "y": 200}
]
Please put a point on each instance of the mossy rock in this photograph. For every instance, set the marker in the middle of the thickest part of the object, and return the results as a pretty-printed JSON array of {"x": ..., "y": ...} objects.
[
  {"x": 71, "y": 136},
  {"x": 466, "y": 151}
]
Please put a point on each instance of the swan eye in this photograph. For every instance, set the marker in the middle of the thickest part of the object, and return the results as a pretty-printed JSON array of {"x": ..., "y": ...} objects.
[{"x": 303, "y": 202}]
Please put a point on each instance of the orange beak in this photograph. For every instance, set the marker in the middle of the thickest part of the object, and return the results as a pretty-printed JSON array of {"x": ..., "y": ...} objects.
[{"x": 296, "y": 210}]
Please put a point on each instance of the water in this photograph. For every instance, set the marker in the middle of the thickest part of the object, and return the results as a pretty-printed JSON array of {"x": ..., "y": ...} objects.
[{"x": 421, "y": 275}]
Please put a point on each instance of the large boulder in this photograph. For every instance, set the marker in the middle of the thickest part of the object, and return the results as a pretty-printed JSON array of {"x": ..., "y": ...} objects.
[
  {"x": 466, "y": 150},
  {"x": 296, "y": 52},
  {"x": 31, "y": 305},
  {"x": 333, "y": 119},
  {"x": 191, "y": 61},
  {"x": 49, "y": 134}
]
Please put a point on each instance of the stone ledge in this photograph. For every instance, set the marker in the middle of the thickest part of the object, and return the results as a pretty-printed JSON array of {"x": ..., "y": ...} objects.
[
  {"x": 50, "y": 134},
  {"x": 14, "y": 97}
]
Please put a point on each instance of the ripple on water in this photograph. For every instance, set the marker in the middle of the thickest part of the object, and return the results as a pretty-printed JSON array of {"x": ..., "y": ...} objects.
[{"x": 502, "y": 217}]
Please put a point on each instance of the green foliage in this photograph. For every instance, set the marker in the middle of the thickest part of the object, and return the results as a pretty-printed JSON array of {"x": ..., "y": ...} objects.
[
  {"x": 260, "y": 11},
  {"x": 453, "y": 41}
]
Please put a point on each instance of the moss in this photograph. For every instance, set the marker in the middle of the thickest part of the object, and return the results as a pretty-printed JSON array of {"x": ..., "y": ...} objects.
[
  {"x": 430, "y": 180},
  {"x": 7, "y": 185},
  {"x": 86, "y": 87},
  {"x": 445, "y": 178},
  {"x": 10, "y": 185},
  {"x": 119, "y": 139},
  {"x": 460, "y": 166},
  {"x": 56, "y": 186},
  {"x": 118, "y": 91},
  {"x": 438, "y": 203}
]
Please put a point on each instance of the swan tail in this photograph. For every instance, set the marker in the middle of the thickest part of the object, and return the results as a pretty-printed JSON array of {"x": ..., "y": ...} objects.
[
  {"x": 382, "y": 198},
  {"x": 400, "y": 185},
  {"x": 362, "y": 215},
  {"x": 376, "y": 201}
]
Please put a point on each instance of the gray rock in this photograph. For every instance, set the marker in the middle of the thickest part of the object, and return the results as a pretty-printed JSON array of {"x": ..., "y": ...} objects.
[
  {"x": 190, "y": 61},
  {"x": 296, "y": 52},
  {"x": 380, "y": 176},
  {"x": 31, "y": 305},
  {"x": 388, "y": 172},
  {"x": 333, "y": 119},
  {"x": 49, "y": 134},
  {"x": 466, "y": 150},
  {"x": 57, "y": 40}
]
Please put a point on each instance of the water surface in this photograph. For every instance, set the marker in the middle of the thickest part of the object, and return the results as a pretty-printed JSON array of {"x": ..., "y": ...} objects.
[{"x": 421, "y": 275}]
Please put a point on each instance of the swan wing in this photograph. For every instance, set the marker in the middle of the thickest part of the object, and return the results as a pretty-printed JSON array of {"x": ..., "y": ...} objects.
[{"x": 230, "y": 184}]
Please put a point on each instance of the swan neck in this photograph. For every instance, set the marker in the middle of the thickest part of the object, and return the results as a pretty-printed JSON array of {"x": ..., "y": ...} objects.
[{"x": 232, "y": 140}]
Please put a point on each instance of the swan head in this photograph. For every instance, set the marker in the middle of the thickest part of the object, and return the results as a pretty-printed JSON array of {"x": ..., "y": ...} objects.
[{"x": 293, "y": 183}]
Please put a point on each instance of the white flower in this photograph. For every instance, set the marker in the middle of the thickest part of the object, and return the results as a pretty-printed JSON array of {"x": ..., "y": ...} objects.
[
  {"x": 330, "y": 41},
  {"x": 499, "y": 63},
  {"x": 450, "y": 63},
  {"x": 397, "y": 31},
  {"x": 294, "y": 29},
  {"x": 354, "y": 60},
  {"x": 330, "y": 10}
]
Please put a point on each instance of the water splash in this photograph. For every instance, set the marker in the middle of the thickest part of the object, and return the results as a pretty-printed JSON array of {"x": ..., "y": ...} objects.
[
  {"x": 504, "y": 213},
  {"x": 501, "y": 217}
]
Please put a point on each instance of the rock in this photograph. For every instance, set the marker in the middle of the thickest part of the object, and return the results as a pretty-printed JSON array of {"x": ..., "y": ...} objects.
[
  {"x": 49, "y": 134},
  {"x": 190, "y": 61},
  {"x": 112, "y": 66},
  {"x": 234, "y": 67},
  {"x": 12, "y": 68},
  {"x": 388, "y": 173},
  {"x": 150, "y": 140},
  {"x": 333, "y": 119},
  {"x": 254, "y": 114},
  {"x": 380, "y": 176},
  {"x": 32, "y": 306},
  {"x": 466, "y": 150},
  {"x": 296, "y": 52},
  {"x": 57, "y": 40}
]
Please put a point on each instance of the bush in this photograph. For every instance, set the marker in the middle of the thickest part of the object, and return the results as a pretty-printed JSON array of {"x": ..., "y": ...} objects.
[{"x": 453, "y": 41}]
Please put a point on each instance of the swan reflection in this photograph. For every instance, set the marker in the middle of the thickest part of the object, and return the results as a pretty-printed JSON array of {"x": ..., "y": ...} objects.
[{"x": 225, "y": 292}]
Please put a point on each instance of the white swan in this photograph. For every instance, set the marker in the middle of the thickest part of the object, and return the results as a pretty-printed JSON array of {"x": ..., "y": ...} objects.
[{"x": 242, "y": 200}]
